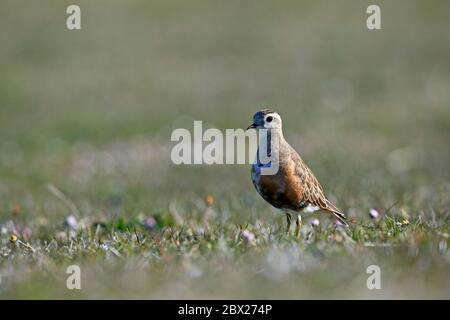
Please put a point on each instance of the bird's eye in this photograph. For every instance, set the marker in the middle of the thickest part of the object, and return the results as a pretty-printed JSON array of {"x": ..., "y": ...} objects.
[{"x": 269, "y": 119}]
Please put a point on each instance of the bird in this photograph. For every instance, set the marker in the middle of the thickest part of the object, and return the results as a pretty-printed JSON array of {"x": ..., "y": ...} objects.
[{"x": 293, "y": 188}]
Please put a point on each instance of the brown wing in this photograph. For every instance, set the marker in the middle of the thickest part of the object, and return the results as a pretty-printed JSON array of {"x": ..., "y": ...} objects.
[{"x": 312, "y": 192}]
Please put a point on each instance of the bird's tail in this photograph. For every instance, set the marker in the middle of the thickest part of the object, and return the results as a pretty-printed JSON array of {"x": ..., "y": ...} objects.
[
  {"x": 337, "y": 213},
  {"x": 340, "y": 216}
]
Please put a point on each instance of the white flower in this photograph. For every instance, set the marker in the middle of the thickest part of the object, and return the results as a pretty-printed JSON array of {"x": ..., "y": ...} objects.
[
  {"x": 150, "y": 222},
  {"x": 248, "y": 237},
  {"x": 71, "y": 222},
  {"x": 374, "y": 214}
]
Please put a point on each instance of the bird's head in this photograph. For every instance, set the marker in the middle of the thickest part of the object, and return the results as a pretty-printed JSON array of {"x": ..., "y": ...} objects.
[{"x": 266, "y": 119}]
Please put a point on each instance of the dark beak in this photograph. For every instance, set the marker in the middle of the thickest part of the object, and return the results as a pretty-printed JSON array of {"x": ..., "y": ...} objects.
[{"x": 252, "y": 126}]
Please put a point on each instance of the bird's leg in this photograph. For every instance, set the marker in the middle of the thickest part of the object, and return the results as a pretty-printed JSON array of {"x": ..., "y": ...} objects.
[
  {"x": 298, "y": 224},
  {"x": 288, "y": 218}
]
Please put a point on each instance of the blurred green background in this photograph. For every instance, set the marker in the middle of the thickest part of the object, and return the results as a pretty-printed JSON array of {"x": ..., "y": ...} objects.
[{"x": 91, "y": 112}]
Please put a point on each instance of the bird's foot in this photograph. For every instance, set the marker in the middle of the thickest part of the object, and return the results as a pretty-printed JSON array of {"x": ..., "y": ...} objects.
[
  {"x": 298, "y": 224},
  {"x": 288, "y": 219}
]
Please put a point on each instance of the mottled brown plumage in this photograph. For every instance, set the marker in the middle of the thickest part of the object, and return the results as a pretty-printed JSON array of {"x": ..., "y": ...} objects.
[{"x": 294, "y": 188}]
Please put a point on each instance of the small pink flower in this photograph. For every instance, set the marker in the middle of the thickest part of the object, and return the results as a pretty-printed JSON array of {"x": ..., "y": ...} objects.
[
  {"x": 149, "y": 223},
  {"x": 248, "y": 237},
  {"x": 71, "y": 222},
  {"x": 338, "y": 224},
  {"x": 374, "y": 214},
  {"x": 315, "y": 222},
  {"x": 26, "y": 232}
]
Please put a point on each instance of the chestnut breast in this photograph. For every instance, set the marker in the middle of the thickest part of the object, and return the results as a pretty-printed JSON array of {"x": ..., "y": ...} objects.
[{"x": 282, "y": 190}]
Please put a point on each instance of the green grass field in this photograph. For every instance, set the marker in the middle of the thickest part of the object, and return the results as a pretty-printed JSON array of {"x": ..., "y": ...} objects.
[{"x": 85, "y": 124}]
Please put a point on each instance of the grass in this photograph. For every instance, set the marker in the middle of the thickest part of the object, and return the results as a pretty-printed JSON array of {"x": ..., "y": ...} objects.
[
  {"x": 85, "y": 123},
  {"x": 125, "y": 258}
]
